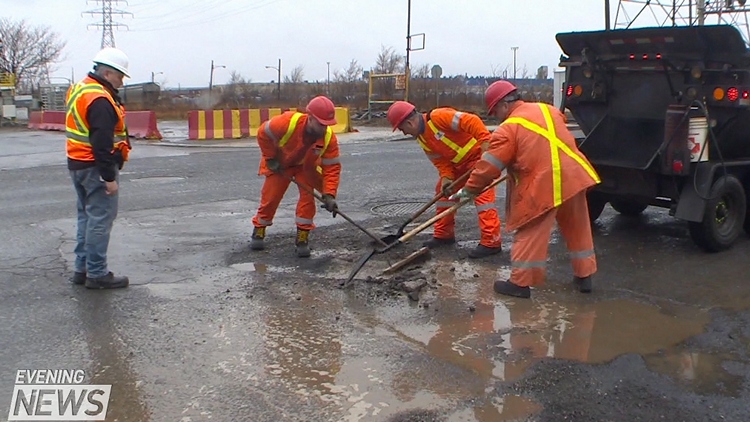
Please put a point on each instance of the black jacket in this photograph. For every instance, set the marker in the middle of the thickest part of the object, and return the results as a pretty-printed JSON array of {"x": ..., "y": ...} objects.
[{"x": 102, "y": 118}]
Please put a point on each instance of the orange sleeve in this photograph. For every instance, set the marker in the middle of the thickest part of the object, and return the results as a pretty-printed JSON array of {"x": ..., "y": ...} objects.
[
  {"x": 498, "y": 157},
  {"x": 472, "y": 124},
  {"x": 268, "y": 142},
  {"x": 331, "y": 164}
]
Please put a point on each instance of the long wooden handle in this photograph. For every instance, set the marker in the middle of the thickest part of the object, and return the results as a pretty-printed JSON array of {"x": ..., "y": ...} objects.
[
  {"x": 346, "y": 217},
  {"x": 450, "y": 210},
  {"x": 436, "y": 198}
]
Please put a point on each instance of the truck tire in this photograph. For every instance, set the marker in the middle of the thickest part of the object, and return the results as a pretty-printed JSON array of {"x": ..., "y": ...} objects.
[
  {"x": 596, "y": 204},
  {"x": 724, "y": 216},
  {"x": 628, "y": 208}
]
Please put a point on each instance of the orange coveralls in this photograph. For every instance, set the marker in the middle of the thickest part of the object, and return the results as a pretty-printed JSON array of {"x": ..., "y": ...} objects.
[
  {"x": 453, "y": 142},
  {"x": 548, "y": 180},
  {"x": 312, "y": 162}
]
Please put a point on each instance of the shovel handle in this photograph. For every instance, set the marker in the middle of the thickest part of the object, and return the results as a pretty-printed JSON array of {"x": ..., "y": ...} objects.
[
  {"x": 450, "y": 210},
  {"x": 464, "y": 177},
  {"x": 346, "y": 217}
]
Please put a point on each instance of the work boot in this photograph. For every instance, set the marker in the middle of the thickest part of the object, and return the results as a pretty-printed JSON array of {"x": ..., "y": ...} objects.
[
  {"x": 257, "y": 241},
  {"x": 509, "y": 289},
  {"x": 78, "y": 278},
  {"x": 584, "y": 284},
  {"x": 303, "y": 249},
  {"x": 482, "y": 251},
  {"x": 109, "y": 281},
  {"x": 436, "y": 242}
]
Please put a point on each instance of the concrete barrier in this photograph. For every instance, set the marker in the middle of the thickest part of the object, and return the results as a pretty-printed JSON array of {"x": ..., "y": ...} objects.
[
  {"x": 243, "y": 123},
  {"x": 142, "y": 125},
  {"x": 47, "y": 120}
]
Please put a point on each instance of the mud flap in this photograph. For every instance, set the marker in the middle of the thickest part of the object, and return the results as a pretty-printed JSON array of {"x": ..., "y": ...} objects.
[{"x": 691, "y": 205}]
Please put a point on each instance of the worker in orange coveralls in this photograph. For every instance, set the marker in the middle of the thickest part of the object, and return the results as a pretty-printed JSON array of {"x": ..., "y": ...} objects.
[
  {"x": 548, "y": 180},
  {"x": 300, "y": 146},
  {"x": 453, "y": 142}
]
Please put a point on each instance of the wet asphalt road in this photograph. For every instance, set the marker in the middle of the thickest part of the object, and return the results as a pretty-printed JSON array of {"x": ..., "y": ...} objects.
[{"x": 210, "y": 331}]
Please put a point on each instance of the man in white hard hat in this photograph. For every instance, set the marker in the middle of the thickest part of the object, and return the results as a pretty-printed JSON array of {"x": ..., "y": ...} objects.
[{"x": 97, "y": 148}]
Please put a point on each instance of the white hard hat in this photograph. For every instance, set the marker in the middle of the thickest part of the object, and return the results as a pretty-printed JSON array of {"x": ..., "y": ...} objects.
[{"x": 113, "y": 58}]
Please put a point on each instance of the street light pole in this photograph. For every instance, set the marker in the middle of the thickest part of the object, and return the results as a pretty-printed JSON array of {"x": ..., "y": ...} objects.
[
  {"x": 328, "y": 80},
  {"x": 211, "y": 79},
  {"x": 278, "y": 81},
  {"x": 514, "y": 61},
  {"x": 154, "y": 74}
]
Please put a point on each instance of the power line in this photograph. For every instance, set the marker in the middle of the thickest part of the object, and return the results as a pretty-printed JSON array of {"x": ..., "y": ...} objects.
[{"x": 107, "y": 25}]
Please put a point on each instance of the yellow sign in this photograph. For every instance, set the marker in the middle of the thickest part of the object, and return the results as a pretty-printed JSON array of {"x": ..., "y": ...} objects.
[{"x": 7, "y": 79}]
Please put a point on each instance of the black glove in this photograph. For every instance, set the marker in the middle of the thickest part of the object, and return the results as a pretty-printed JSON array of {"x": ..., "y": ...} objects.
[
  {"x": 444, "y": 183},
  {"x": 274, "y": 165},
  {"x": 329, "y": 203}
]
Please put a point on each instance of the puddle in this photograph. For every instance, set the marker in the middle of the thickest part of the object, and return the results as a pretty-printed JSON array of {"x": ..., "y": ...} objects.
[{"x": 700, "y": 372}]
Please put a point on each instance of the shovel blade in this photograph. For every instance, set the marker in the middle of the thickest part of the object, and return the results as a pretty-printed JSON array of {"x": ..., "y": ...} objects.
[
  {"x": 357, "y": 267},
  {"x": 390, "y": 238}
]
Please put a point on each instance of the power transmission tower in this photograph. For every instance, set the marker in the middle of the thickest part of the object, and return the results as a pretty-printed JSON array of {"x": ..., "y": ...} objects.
[
  {"x": 684, "y": 13},
  {"x": 107, "y": 25}
]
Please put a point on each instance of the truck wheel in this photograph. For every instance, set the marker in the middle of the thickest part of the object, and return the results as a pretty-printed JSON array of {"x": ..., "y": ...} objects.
[
  {"x": 724, "y": 217},
  {"x": 596, "y": 204},
  {"x": 629, "y": 208}
]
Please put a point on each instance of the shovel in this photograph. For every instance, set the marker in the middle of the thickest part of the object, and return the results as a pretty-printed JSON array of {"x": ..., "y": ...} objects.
[
  {"x": 394, "y": 237},
  {"x": 320, "y": 198},
  {"x": 404, "y": 238}
]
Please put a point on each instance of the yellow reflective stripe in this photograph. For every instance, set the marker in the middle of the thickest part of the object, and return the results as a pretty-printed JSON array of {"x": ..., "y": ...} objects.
[
  {"x": 556, "y": 145},
  {"x": 290, "y": 129},
  {"x": 460, "y": 152},
  {"x": 423, "y": 144},
  {"x": 78, "y": 139},
  {"x": 329, "y": 134},
  {"x": 81, "y": 129}
]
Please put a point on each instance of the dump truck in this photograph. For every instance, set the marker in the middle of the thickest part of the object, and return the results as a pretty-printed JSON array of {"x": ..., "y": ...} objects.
[{"x": 665, "y": 114}]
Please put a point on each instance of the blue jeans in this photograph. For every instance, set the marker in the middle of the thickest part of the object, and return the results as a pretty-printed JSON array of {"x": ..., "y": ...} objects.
[{"x": 96, "y": 213}]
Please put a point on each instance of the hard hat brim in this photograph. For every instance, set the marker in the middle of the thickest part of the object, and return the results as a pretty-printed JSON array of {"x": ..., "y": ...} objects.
[{"x": 325, "y": 122}]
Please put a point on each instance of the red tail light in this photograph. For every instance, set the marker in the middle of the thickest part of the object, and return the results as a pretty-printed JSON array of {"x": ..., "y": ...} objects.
[
  {"x": 733, "y": 94},
  {"x": 632, "y": 57},
  {"x": 658, "y": 56},
  {"x": 569, "y": 92},
  {"x": 745, "y": 95},
  {"x": 677, "y": 166}
]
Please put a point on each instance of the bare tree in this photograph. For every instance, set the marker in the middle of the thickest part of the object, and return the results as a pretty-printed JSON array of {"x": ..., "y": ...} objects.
[
  {"x": 28, "y": 52},
  {"x": 296, "y": 76},
  {"x": 525, "y": 72},
  {"x": 238, "y": 91},
  {"x": 497, "y": 71},
  {"x": 388, "y": 61},
  {"x": 347, "y": 81}
]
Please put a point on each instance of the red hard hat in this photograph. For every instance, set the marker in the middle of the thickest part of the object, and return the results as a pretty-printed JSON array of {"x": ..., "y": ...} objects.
[
  {"x": 496, "y": 92},
  {"x": 323, "y": 110},
  {"x": 398, "y": 112}
]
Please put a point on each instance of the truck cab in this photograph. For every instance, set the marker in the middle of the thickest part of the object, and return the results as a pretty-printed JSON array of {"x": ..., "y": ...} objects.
[{"x": 666, "y": 117}]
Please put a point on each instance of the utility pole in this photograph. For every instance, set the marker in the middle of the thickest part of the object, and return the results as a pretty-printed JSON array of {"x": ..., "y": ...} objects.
[
  {"x": 328, "y": 80},
  {"x": 211, "y": 79},
  {"x": 514, "y": 61},
  {"x": 107, "y": 25},
  {"x": 407, "y": 74},
  {"x": 278, "y": 81},
  {"x": 606, "y": 15}
]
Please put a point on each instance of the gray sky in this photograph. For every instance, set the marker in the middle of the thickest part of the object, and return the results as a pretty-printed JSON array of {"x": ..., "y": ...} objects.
[{"x": 181, "y": 37}]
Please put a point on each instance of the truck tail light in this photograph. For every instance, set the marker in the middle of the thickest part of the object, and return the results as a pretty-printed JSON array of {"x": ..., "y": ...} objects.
[
  {"x": 677, "y": 166},
  {"x": 569, "y": 91},
  {"x": 733, "y": 94},
  {"x": 718, "y": 94}
]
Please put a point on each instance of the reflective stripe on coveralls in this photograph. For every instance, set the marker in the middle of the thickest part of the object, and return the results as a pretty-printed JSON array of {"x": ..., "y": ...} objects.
[
  {"x": 556, "y": 145},
  {"x": 460, "y": 152}
]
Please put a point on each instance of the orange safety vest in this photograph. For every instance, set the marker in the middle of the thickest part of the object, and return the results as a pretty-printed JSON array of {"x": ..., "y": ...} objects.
[
  {"x": 288, "y": 134},
  {"x": 447, "y": 141},
  {"x": 79, "y": 99},
  {"x": 543, "y": 159}
]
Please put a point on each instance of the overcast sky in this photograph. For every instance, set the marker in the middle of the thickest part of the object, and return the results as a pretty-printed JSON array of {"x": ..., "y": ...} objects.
[{"x": 181, "y": 37}]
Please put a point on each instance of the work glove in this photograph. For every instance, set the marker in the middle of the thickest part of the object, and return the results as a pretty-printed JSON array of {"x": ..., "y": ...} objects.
[
  {"x": 274, "y": 165},
  {"x": 444, "y": 183},
  {"x": 461, "y": 194},
  {"x": 330, "y": 205}
]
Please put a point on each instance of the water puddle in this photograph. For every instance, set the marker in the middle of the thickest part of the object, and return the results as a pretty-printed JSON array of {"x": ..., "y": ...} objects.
[{"x": 699, "y": 372}]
